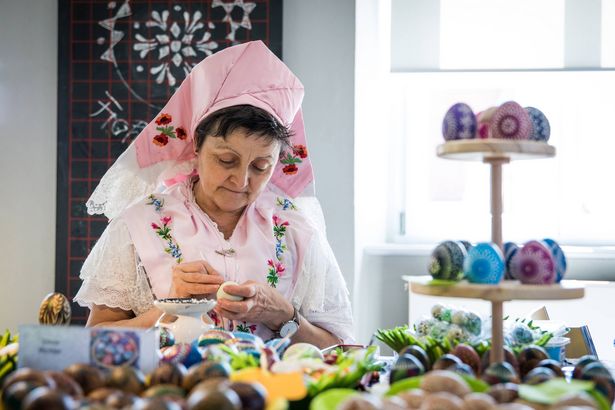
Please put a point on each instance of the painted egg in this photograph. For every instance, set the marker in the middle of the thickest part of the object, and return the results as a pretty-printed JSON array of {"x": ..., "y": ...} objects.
[
  {"x": 459, "y": 123},
  {"x": 166, "y": 337},
  {"x": 54, "y": 310},
  {"x": 112, "y": 348},
  {"x": 447, "y": 261},
  {"x": 553, "y": 365},
  {"x": 473, "y": 324},
  {"x": 468, "y": 355},
  {"x": 541, "y": 130},
  {"x": 510, "y": 248},
  {"x": 511, "y": 121},
  {"x": 505, "y": 393},
  {"x": 538, "y": 375},
  {"x": 484, "y": 264},
  {"x": 529, "y": 358},
  {"x": 214, "y": 336},
  {"x": 445, "y": 361},
  {"x": 466, "y": 245},
  {"x": 497, "y": 373},
  {"x": 302, "y": 350},
  {"x": 581, "y": 363},
  {"x": 221, "y": 294},
  {"x": 456, "y": 333},
  {"x": 483, "y": 120},
  {"x": 533, "y": 264},
  {"x": 558, "y": 257},
  {"x": 215, "y": 353},
  {"x": 509, "y": 357},
  {"x": 602, "y": 378},
  {"x": 463, "y": 369},
  {"x": 176, "y": 353},
  {"x": 248, "y": 337},
  {"x": 419, "y": 353},
  {"x": 522, "y": 334},
  {"x": 405, "y": 367},
  {"x": 168, "y": 373},
  {"x": 279, "y": 345}
]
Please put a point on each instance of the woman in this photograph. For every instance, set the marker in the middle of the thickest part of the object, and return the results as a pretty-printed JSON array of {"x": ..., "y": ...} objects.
[{"x": 227, "y": 214}]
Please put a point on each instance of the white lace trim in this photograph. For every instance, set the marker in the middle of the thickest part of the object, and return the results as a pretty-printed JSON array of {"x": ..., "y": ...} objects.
[
  {"x": 125, "y": 183},
  {"x": 111, "y": 276},
  {"x": 321, "y": 293}
]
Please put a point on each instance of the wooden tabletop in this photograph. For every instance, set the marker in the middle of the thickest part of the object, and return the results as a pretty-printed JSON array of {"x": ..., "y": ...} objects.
[{"x": 491, "y": 148}]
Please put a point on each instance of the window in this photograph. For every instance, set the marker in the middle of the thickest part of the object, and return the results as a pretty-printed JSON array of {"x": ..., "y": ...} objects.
[{"x": 567, "y": 197}]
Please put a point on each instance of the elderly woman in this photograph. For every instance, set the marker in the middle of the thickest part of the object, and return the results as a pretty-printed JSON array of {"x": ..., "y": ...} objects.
[{"x": 238, "y": 206}]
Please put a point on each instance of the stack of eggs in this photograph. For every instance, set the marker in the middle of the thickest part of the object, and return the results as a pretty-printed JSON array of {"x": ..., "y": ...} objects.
[
  {"x": 536, "y": 262},
  {"x": 509, "y": 121}
]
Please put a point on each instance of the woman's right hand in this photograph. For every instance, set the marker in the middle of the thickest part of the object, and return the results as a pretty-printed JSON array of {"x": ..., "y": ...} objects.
[{"x": 194, "y": 279}]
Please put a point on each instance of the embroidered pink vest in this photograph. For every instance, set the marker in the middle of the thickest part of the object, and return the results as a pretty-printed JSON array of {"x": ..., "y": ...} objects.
[{"x": 268, "y": 244}]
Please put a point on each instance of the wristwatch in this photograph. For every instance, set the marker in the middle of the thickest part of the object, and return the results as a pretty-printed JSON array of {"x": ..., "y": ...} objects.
[{"x": 290, "y": 328}]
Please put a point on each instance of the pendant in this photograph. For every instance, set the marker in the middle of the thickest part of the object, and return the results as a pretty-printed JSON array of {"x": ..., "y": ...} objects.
[{"x": 226, "y": 252}]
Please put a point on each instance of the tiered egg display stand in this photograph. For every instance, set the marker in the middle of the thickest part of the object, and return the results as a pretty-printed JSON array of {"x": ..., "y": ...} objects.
[{"x": 497, "y": 152}]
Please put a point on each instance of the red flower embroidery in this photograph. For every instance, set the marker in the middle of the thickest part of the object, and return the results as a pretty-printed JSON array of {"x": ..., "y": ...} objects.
[
  {"x": 290, "y": 169},
  {"x": 161, "y": 140},
  {"x": 300, "y": 151},
  {"x": 164, "y": 119},
  {"x": 181, "y": 133},
  {"x": 165, "y": 220},
  {"x": 279, "y": 268},
  {"x": 270, "y": 263},
  {"x": 155, "y": 226}
]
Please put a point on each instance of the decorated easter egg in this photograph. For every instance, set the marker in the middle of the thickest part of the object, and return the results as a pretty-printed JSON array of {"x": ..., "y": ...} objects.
[
  {"x": 506, "y": 393},
  {"x": 279, "y": 345},
  {"x": 54, "y": 310},
  {"x": 483, "y": 120},
  {"x": 538, "y": 375},
  {"x": 581, "y": 363},
  {"x": 221, "y": 294},
  {"x": 168, "y": 373},
  {"x": 459, "y": 123},
  {"x": 248, "y": 337},
  {"x": 166, "y": 337},
  {"x": 214, "y": 336},
  {"x": 511, "y": 121},
  {"x": 522, "y": 334},
  {"x": 529, "y": 358},
  {"x": 509, "y": 357},
  {"x": 541, "y": 130},
  {"x": 203, "y": 371},
  {"x": 468, "y": 355},
  {"x": 447, "y": 261},
  {"x": 484, "y": 264},
  {"x": 554, "y": 365},
  {"x": 302, "y": 350},
  {"x": 473, "y": 323},
  {"x": 111, "y": 348},
  {"x": 502, "y": 372},
  {"x": 445, "y": 361},
  {"x": 406, "y": 366},
  {"x": 176, "y": 353},
  {"x": 510, "y": 249},
  {"x": 534, "y": 264},
  {"x": 558, "y": 257},
  {"x": 419, "y": 353},
  {"x": 466, "y": 245}
]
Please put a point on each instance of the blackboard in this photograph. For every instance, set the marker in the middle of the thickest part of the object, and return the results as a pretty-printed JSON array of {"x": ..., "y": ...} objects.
[{"x": 118, "y": 63}]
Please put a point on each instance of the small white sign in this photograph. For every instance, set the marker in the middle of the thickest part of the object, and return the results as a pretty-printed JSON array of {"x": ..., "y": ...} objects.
[{"x": 57, "y": 347}]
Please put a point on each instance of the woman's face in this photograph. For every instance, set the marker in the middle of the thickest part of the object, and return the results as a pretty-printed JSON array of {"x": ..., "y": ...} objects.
[{"x": 234, "y": 171}]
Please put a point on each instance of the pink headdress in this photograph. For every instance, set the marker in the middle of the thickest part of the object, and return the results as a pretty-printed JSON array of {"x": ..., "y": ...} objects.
[{"x": 248, "y": 73}]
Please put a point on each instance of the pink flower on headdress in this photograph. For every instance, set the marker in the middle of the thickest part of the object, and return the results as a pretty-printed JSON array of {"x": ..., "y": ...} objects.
[
  {"x": 165, "y": 220},
  {"x": 161, "y": 140},
  {"x": 300, "y": 151},
  {"x": 164, "y": 119},
  {"x": 155, "y": 226},
  {"x": 290, "y": 169},
  {"x": 181, "y": 133}
]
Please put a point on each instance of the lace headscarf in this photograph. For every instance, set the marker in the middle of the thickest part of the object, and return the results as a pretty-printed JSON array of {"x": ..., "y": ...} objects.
[{"x": 249, "y": 74}]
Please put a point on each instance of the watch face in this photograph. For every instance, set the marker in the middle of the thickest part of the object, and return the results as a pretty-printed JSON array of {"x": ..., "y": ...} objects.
[{"x": 289, "y": 329}]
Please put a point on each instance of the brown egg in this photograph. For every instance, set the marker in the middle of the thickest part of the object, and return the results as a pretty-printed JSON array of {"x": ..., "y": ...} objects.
[
  {"x": 446, "y": 361},
  {"x": 509, "y": 357},
  {"x": 252, "y": 395},
  {"x": 54, "y": 310},
  {"x": 127, "y": 379},
  {"x": 505, "y": 392},
  {"x": 66, "y": 384},
  {"x": 214, "y": 399},
  {"x": 529, "y": 358},
  {"x": 203, "y": 371},
  {"x": 553, "y": 365},
  {"x": 14, "y": 395},
  {"x": 539, "y": 375},
  {"x": 581, "y": 363},
  {"x": 44, "y": 398},
  {"x": 168, "y": 373},
  {"x": 114, "y": 398},
  {"x": 88, "y": 377},
  {"x": 468, "y": 355},
  {"x": 33, "y": 376},
  {"x": 167, "y": 391}
]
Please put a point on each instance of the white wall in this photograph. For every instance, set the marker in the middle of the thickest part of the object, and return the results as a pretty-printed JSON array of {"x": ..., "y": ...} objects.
[
  {"x": 318, "y": 43},
  {"x": 319, "y": 47},
  {"x": 28, "y": 95}
]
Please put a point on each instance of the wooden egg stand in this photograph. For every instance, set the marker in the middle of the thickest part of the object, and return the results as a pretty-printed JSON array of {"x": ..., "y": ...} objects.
[{"x": 497, "y": 152}]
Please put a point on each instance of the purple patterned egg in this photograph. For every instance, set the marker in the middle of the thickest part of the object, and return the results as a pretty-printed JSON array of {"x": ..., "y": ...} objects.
[
  {"x": 483, "y": 119},
  {"x": 510, "y": 249},
  {"x": 534, "y": 264},
  {"x": 484, "y": 264},
  {"x": 459, "y": 123},
  {"x": 558, "y": 257},
  {"x": 511, "y": 121},
  {"x": 176, "y": 353},
  {"x": 447, "y": 261},
  {"x": 541, "y": 130}
]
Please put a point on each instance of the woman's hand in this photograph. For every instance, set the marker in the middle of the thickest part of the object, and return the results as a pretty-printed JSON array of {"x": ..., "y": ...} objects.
[
  {"x": 261, "y": 304},
  {"x": 194, "y": 279}
]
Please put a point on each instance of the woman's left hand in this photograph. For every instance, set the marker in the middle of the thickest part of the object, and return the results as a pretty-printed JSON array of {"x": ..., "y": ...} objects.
[{"x": 261, "y": 304}]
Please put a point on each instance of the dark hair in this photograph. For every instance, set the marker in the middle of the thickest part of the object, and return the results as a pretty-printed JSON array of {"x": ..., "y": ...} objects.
[{"x": 255, "y": 120}]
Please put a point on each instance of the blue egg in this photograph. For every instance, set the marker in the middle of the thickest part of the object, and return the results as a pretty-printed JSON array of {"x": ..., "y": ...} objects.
[
  {"x": 558, "y": 257},
  {"x": 459, "y": 123},
  {"x": 541, "y": 130},
  {"x": 510, "y": 249},
  {"x": 484, "y": 264},
  {"x": 278, "y": 345}
]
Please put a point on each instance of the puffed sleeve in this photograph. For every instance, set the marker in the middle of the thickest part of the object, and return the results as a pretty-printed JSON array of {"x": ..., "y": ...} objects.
[
  {"x": 321, "y": 294},
  {"x": 112, "y": 275}
]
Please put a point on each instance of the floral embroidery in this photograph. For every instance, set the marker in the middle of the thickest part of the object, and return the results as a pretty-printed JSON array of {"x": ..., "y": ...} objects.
[
  {"x": 285, "y": 204},
  {"x": 245, "y": 327},
  {"x": 167, "y": 130},
  {"x": 164, "y": 230},
  {"x": 214, "y": 317},
  {"x": 290, "y": 160},
  {"x": 276, "y": 269}
]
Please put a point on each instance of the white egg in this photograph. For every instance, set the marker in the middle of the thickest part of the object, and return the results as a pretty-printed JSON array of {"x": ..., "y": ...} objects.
[{"x": 223, "y": 295}]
